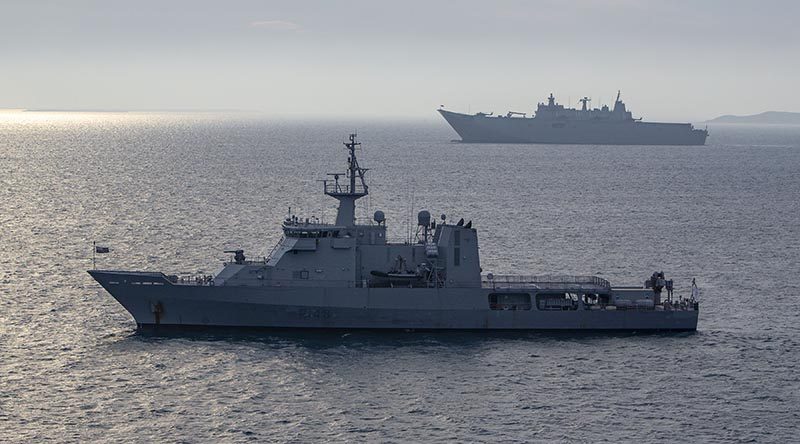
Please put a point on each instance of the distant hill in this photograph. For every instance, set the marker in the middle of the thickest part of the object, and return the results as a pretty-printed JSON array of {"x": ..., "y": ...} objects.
[{"x": 781, "y": 117}]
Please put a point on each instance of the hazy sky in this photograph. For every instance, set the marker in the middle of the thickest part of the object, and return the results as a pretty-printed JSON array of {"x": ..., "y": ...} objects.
[{"x": 685, "y": 60}]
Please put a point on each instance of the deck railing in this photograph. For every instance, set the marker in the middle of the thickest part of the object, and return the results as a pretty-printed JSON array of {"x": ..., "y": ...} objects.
[
  {"x": 342, "y": 188},
  {"x": 191, "y": 279},
  {"x": 553, "y": 281}
]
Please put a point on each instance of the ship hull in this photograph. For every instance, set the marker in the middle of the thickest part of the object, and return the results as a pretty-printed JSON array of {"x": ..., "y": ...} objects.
[
  {"x": 154, "y": 301},
  {"x": 487, "y": 129}
]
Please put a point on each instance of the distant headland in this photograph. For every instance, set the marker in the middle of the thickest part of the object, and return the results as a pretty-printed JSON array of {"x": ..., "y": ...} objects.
[{"x": 776, "y": 117}]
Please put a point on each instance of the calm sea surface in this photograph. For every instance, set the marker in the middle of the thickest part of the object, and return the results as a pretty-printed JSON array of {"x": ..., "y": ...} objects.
[{"x": 172, "y": 191}]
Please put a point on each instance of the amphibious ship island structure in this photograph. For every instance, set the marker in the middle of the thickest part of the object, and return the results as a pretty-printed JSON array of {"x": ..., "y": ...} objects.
[
  {"x": 346, "y": 275},
  {"x": 553, "y": 123}
]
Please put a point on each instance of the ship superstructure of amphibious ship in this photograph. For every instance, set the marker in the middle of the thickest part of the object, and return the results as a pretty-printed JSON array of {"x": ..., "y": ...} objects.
[
  {"x": 552, "y": 123},
  {"x": 346, "y": 275}
]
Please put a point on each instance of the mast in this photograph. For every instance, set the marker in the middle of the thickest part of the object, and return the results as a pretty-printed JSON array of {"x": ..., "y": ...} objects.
[
  {"x": 348, "y": 194},
  {"x": 618, "y": 105}
]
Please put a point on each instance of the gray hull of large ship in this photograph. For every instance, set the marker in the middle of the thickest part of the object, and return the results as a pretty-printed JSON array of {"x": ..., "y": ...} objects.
[
  {"x": 485, "y": 129},
  {"x": 155, "y": 301}
]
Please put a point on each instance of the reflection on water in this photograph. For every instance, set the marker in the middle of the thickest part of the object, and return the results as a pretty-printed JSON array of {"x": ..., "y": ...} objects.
[{"x": 172, "y": 191}]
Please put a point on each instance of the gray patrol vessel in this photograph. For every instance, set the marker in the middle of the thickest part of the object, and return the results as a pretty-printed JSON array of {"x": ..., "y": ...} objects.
[
  {"x": 346, "y": 275},
  {"x": 553, "y": 123}
]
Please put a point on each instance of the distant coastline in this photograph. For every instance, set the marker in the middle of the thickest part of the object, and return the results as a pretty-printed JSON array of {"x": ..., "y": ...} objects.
[{"x": 768, "y": 117}]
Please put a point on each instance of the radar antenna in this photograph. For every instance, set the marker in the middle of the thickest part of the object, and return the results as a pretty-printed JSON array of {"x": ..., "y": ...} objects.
[
  {"x": 353, "y": 170},
  {"x": 584, "y": 101}
]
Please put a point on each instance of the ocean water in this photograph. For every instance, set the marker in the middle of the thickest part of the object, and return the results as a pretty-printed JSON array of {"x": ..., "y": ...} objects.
[{"x": 172, "y": 191}]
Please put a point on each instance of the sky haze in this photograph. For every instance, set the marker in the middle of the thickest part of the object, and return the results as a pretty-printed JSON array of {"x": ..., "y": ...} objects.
[{"x": 673, "y": 60}]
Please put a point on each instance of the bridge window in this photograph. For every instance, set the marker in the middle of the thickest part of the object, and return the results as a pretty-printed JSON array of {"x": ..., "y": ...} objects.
[{"x": 510, "y": 301}]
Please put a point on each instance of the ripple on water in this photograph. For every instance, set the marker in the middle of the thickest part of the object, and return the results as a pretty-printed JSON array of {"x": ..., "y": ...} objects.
[{"x": 171, "y": 191}]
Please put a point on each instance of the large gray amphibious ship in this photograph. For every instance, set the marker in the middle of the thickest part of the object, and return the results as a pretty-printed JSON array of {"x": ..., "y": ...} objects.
[
  {"x": 346, "y": 275},
  {"x": 553, "y": 123}
]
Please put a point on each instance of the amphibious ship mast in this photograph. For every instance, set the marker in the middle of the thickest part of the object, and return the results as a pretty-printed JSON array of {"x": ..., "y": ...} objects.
[{"x": 348, "y": 194}]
